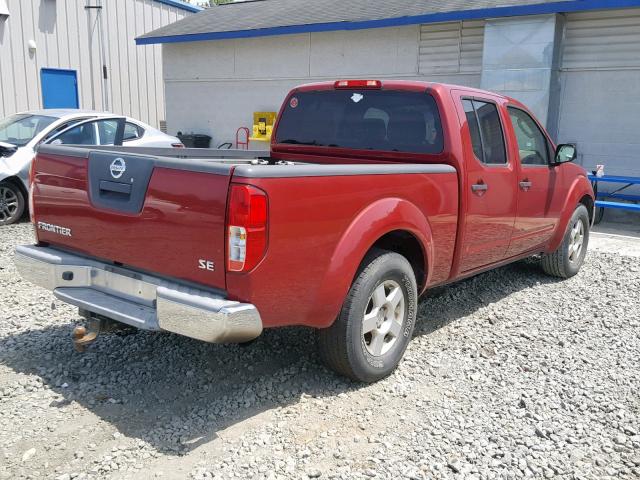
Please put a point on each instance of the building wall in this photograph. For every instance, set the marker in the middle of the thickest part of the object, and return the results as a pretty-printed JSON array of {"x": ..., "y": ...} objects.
[
  {"x": 213, "y": 87},
  {"x": 67, "y": 36},
  {"x": 600, "y": 89},
  {"x": 520, "y": 54}
]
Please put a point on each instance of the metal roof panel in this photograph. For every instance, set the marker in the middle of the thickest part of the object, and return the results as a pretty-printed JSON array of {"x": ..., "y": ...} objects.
[{"x": 279, "y": 17}]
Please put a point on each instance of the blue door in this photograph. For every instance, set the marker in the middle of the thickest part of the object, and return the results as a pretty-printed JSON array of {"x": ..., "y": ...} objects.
[{"x": 59, "y": 88}]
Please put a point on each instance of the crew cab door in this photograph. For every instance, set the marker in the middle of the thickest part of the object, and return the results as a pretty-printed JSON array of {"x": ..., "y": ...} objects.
[
  {"x": 489, "y": 183},
  {"x": 539, "y": 195}
]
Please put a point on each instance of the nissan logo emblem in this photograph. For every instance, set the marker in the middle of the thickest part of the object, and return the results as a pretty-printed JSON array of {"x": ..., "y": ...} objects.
[{"x": 117, "y": 167}]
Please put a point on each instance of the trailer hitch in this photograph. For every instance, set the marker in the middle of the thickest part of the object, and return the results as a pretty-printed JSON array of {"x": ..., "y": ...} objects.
[
  {"x": 83, "y": 335},
  {"x": 94, "y": 325}
]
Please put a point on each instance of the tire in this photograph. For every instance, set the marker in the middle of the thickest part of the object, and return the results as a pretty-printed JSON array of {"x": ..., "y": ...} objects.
[
  {"x": 384, "y": 293},
  {"x": 566, "y": 261},
  {"x": 11, "y": 203}
]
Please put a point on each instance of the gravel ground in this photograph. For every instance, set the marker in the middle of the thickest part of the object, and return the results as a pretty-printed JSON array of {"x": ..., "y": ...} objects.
[{"x": 511, "y": 374}]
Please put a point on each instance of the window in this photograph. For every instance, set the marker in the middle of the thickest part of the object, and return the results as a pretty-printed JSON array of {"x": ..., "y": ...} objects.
[
  {"x": 61, "y": 127},
  {"x": 485, "y": 130},
  {"x": 474, "y": 128},
  {"x": 386, "y": 120},
  {"x": 81, "y": 135},
  {"x": 107, "y": 130},
  {"x": 532, "y": 144},
  {"x": 21, "y": 128},
  {"x": 132, "y": 132}
]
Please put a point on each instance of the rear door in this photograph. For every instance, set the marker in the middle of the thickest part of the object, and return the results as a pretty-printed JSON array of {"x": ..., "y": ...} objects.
[
  {"x": 539, "y": 196},
  {"x": 489, "y": 183}
]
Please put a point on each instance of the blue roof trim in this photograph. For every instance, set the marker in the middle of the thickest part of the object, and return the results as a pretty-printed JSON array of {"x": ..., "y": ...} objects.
[
  {"x": 494, "y": 12},
  {"x": 182, "y": 5}
]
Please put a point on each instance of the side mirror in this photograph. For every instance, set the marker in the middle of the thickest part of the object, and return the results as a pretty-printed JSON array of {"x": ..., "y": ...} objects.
[{"x": 565, "y": 152}]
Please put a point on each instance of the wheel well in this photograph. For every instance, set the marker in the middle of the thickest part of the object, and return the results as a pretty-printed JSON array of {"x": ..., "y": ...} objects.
[
  {"x": 16, "y": 182},
  {"x": 407, "y": 245},
  {"x": 587, "y": 201}
]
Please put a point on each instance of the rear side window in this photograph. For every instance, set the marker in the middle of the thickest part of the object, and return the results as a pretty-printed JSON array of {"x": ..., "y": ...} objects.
[
  {"x": 388, "y": 120},
  {"x": 485, "y": 130},
  {"x": 132, "y": 131}
]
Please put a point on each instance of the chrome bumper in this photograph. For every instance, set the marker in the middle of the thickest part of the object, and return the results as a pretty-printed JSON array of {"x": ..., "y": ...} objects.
[{"x": 140, "y": 300}]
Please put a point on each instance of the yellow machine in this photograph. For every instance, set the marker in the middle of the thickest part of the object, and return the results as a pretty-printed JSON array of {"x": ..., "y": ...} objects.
[{"x": 263, "y": 125}]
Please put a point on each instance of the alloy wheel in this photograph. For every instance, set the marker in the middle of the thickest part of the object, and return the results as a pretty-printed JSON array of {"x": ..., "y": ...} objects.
[{"x": 383, "y": 318}]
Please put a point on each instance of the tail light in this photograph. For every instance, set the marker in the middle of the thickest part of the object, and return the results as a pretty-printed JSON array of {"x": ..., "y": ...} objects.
[
  {"x": 246, "y": 227},
  {"x": 32, "y": 178},
  {"x": 358, "y": 84},
  {"x": 177, "y": 145}
]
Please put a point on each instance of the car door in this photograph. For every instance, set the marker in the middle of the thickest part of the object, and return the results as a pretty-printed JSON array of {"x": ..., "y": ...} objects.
[
  {"x": 489, "y": 183},
  {"x": 539, "y": 202}
]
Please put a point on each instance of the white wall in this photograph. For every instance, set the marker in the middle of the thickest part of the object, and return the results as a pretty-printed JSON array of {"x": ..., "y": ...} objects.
[
  {"x": 67, "y": 37},
  {"x": 214, "y": 87},
  {"x": 600, "y": 82},
  {"x": 518, "y": 60}
]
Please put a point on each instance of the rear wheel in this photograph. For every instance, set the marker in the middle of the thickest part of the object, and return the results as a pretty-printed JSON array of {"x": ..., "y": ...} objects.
[
  {"x": 369, "y": 337},
  {"x": 566, "y": 261},
  {"x": 11, "y": 203}
]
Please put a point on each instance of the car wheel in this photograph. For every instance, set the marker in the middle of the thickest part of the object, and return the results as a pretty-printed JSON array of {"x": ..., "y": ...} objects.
[
  {"x": 566, "y": 261},
  {"x": 11, "y": 203},
  {"x": 371, "y": 334}
]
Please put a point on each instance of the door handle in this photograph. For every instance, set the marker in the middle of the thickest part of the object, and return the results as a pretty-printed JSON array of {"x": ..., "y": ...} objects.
[
  {"x": 525, "y": 185},
  {"x": 479, "y": 187}
]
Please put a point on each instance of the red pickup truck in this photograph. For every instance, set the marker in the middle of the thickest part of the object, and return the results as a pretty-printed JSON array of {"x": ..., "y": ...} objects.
[{"x": 373, "y": 192}]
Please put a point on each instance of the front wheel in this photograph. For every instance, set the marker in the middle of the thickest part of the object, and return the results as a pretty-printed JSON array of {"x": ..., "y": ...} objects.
[
  {"x": 11, "y": 203},
  {"x": 566, "y": 261},
  {"x": 369, "y": 337}
]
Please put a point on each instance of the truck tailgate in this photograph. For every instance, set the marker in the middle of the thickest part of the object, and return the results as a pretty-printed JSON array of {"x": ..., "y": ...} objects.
[{"x": 154, "y": 214}]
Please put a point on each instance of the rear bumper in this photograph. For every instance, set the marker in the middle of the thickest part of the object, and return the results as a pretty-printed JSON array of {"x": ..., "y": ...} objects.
[{"x": 140, "y": 300}]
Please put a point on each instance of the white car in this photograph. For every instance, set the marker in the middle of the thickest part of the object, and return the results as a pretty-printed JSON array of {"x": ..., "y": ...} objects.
[{"x": 20, "y": 135}]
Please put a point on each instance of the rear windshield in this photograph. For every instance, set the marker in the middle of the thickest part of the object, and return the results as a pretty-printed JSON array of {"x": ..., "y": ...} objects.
[{"x": 389, "y": 120}]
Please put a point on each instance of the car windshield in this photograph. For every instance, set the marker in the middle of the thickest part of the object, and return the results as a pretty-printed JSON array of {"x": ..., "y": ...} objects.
[{"x": 19, "y": 129}]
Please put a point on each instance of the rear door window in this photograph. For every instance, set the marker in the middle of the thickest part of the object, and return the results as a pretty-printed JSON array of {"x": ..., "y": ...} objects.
[
  {"x": 386, "y": 120},
  {"x": 107, "y": 130},
  {"x": 486, "y": 133}
]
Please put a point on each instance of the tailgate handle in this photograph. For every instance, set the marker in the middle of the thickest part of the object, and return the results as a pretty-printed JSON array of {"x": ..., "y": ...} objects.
[{"x": 115, "y": 187}]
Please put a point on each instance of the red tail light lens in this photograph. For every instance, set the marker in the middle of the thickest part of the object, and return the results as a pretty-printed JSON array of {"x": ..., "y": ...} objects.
[
  {"x": 246, "y": 227},
  {"x": 177, "y": 145},
  {"x": 358, "y": 84}
]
